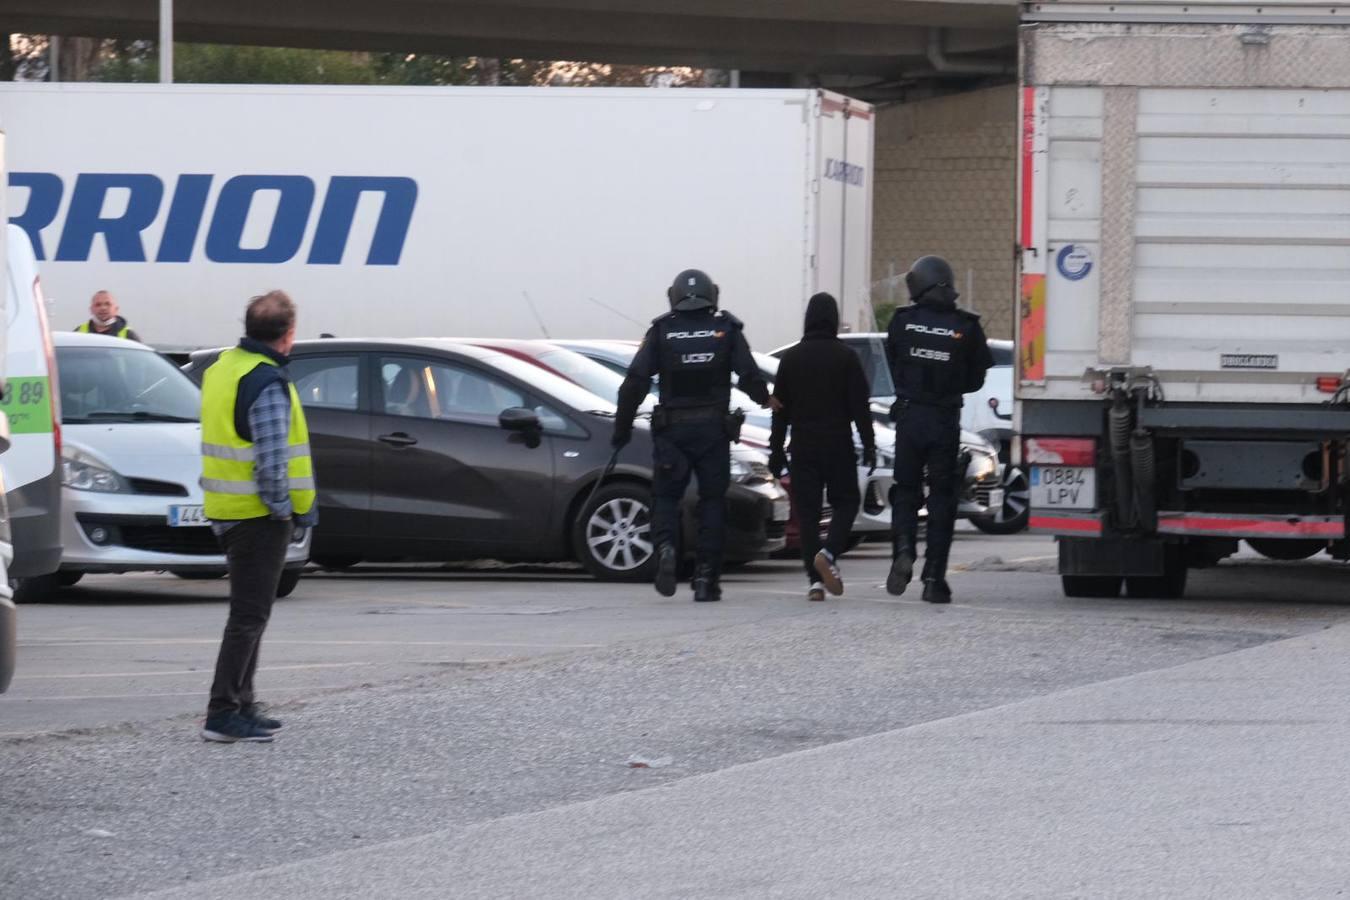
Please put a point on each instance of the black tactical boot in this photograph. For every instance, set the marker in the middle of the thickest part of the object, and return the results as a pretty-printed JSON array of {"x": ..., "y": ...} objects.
[
  {"x": 935, "y": 590},
  {"x": 706, "y": 588},
  {"x": 665, "y": 570},
  {"x": 902, "y": 569}
]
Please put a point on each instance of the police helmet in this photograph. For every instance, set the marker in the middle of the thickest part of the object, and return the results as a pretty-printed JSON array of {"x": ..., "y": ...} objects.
[
  {"x": 692, "y": 289},
  {"x": 927, "y": 273}
]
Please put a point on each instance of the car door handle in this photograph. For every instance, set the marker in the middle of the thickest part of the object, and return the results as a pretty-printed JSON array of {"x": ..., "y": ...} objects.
[{"x": 398, "y": 439}]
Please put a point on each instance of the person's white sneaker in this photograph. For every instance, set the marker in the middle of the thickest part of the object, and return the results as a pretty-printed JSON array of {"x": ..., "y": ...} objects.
[
  {"x": 816, "y": 593},
  {"x": 829, "y": 572}
]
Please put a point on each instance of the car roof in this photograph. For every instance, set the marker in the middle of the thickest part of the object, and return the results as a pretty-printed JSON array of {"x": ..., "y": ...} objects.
[
  {"x": 600, "y": 344},
  {"x": 520, "y": 345},
  {"x": 80, "y": 339},
  {"x": 450, "y": 345}
]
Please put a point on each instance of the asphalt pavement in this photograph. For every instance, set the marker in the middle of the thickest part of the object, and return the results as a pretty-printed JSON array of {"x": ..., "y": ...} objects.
[{"x": 532, "y": 734}]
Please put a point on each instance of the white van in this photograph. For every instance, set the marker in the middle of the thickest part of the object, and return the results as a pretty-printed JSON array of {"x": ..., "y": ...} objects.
[
  {"x": 31, "y": 404},
  {"x": 8, "y": 615}
]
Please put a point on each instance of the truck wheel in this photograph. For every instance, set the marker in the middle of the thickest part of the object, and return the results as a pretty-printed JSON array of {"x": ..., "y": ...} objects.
[
  {"x": 1275, "y": 548},
  {"x": 1091, "y": 585},
  {"x": 1016, "y": 509},
  {"x": 612, "y": 535},
  {"x": 1170, "y": 586},
  {"x": 289, "y": 579}
]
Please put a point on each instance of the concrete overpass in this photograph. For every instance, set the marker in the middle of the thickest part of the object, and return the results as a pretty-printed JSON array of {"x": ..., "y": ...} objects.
[{"x": 878, "y": 41}]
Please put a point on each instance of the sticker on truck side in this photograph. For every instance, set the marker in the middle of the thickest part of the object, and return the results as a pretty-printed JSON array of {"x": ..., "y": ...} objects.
[
  {"x": 27, "y": 404},
  {"x": 1249, "y": 361}
]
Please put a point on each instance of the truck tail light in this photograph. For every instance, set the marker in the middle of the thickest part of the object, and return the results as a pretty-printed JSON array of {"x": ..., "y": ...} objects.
[
  {"x": 1329, "y": 384},
  {"x": 1059, "y": 451}
]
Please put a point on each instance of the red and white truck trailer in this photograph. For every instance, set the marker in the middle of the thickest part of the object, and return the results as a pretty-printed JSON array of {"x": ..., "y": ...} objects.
[{"x": 1184, "y": 327}]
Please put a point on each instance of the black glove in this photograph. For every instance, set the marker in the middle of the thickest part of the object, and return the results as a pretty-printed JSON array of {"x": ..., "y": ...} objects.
[
  {"x": 870, "y": 459},
  {"x": 623, "y": 434},
  {"x": 777, "y": 463}
]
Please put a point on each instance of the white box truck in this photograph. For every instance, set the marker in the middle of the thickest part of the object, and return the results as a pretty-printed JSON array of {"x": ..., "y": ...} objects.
[
  {"x": 495, "y": 212},
  {"x": 1184, "y": 327}
]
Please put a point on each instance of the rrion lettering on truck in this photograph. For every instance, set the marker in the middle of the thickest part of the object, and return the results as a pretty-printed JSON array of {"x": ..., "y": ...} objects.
[{"x": 187, "y": 211}]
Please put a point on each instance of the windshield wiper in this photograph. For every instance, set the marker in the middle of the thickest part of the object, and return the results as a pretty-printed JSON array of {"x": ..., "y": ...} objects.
[
  {"x": 600, "y": 412},
  {"x": 141, "y": 415}
]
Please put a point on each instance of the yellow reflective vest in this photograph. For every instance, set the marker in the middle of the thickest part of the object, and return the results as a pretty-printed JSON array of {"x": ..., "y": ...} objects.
[
  {"x": 227, "y": 459},
  {"x": 122, "y": 332}
]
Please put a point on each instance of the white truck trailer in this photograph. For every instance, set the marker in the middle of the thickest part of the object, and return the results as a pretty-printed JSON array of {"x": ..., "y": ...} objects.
[
  {"x": 496, "y": 212},
  {"x": 1184, "y": 327}
]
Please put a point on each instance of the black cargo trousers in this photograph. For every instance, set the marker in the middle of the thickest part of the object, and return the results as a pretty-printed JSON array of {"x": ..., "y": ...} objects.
[
  {"x": 819, "y": 472},
  {"x": 692, "y": 449},
  {"x": 256, "y": 550},
  {"x": 926, "y": 437}
]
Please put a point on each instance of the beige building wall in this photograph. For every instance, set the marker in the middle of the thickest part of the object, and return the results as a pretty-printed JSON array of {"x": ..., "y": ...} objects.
[{"x": 945, "y": 184}]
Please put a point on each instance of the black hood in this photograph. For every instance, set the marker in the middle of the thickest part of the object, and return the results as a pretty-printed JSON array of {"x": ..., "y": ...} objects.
[{"x": 822, "y": 317}]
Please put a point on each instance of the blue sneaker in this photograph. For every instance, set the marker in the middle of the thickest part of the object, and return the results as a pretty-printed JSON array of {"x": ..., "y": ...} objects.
[
  {"x": 232, "y": 728},
  {"x": 258, "y": 713}
]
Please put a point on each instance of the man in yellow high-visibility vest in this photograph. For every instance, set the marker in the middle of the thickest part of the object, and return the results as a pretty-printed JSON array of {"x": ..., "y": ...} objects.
[
  {"x": 106, "y": 318},
  {"x": 258, "y": 480}
]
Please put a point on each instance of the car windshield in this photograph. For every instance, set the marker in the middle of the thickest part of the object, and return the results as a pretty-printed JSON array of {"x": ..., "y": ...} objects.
[
  {"x": 116, "y": 384},
  {"x": 1002, "y": 352},
  {"x": 586, "y": 372}
]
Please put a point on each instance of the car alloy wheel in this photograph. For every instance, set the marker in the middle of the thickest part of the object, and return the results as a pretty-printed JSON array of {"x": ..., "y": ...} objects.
[
  {"x": 613, "y": 534},
  {"x": 1015, "y": 512}
]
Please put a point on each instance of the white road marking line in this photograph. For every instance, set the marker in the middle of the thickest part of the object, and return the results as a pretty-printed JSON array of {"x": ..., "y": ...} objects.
[
  {"x": 112, "y": 642},
  {"x": 342, "y": 665},
  {"x": 197, "y": 693}
]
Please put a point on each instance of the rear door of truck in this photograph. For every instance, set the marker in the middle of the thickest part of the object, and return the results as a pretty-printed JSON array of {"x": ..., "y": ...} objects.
[{"x": 843, "y": 202}]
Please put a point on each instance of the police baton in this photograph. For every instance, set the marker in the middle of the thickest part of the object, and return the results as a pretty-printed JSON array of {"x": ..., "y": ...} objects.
[{"x": 609, "y": 468}]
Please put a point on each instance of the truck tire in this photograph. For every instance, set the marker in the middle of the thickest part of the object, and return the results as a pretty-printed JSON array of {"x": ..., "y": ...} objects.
[
  {"x": 612, "y": 535},
  {"x": 1169, "y": 586},
  {"x": 1277, "y": 548},
  {"x": 1091, "y": 585}
]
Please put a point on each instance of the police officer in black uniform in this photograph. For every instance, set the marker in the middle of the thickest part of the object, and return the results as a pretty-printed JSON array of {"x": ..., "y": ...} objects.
[
  {"x": 694, "y": 349},
  {"x": 937, "y": 352}
]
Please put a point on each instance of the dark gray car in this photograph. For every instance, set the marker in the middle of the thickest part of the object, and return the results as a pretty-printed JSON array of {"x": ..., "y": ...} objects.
[{"x": 436, "y": 450}]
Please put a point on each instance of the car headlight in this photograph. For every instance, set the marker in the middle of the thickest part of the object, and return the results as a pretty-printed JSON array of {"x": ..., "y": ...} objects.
[
  {"x": 745, "y": 471},
  {"x": 82, "y": 472},
  {"x": 982, "y": 466}
]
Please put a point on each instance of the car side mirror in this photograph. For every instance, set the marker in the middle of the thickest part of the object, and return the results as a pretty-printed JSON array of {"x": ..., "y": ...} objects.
[{"x": 524, "y": 421}]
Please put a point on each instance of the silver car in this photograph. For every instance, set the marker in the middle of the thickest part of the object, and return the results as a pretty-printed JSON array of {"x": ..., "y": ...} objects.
[{"x": 130, "y": 462}]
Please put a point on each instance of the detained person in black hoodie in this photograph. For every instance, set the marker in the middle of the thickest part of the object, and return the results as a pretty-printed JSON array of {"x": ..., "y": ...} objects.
[{"x": 822, "y": 395}]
